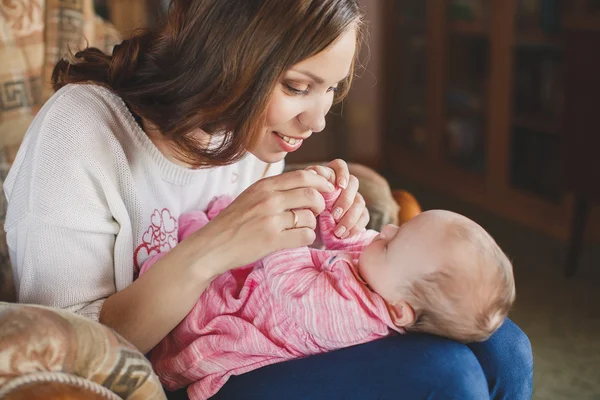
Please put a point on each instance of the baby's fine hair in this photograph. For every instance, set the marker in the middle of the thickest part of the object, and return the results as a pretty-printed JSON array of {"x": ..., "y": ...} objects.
[{"x": 438, "y": 299}]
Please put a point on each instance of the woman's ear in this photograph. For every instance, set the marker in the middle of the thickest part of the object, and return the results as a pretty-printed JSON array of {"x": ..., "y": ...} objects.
[{"x": 402, "y": 314}]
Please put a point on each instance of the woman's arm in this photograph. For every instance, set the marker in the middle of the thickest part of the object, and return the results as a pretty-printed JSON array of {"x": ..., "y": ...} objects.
[
  {"x": 171, "y": 293},
  {"x": 147, "y": 310},
  {"x": 257, "y": 223},
  {"x": 65, "y": 243}
]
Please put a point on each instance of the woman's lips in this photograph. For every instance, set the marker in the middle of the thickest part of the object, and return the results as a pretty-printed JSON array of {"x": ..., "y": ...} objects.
[{"x": 287, "y": 143}]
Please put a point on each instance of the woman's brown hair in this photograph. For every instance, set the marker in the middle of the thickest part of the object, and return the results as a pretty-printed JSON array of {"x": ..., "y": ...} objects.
[{"x": 212, "y": 65}]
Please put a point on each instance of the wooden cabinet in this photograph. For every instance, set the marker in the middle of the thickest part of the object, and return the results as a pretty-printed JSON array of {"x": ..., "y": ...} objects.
[{"x": 474, "y": 101}]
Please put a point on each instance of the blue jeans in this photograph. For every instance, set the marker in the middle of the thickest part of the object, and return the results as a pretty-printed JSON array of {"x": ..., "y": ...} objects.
[{"x": 414, "y": 366}]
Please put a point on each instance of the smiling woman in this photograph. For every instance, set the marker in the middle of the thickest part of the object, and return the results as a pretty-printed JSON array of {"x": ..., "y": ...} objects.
[
  {"x": 197, "y": 108},
  {"x": 299, "y": 104}
]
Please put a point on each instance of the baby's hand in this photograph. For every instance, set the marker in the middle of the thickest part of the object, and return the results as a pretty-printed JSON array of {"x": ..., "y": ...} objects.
[{"x": 350, "y": 211}]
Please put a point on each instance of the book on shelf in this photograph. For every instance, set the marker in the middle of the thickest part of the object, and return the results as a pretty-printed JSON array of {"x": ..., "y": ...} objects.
[
  {"x": 541, "y": 15},
  {"x": 538, "y": 85},
  {"x": 468, "y": 10}
]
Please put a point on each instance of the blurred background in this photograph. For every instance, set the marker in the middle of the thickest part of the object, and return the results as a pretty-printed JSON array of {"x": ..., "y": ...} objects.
[{"x": 490, "y": 108}]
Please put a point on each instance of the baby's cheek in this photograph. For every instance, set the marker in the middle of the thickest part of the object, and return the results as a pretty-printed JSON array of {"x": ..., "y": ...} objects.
[{"x": 364, "y": 260}]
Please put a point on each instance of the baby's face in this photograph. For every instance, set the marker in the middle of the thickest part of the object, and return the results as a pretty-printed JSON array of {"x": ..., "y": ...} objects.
[{"x": 403, "y": 254}]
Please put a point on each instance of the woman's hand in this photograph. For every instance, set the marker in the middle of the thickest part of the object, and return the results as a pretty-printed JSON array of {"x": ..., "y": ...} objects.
[
  {"x": 260, "y": 221},
  {"x": 349, "y": 211}
]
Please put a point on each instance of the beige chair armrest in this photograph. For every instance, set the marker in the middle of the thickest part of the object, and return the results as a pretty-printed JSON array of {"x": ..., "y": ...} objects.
[{"x": 44, "y": 350}]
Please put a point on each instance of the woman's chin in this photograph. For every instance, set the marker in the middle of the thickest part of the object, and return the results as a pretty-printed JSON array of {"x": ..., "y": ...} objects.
[{"x": 268, "y": 156}]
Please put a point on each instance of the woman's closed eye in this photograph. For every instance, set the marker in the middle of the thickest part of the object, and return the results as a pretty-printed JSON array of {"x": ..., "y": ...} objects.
[{"x": 297, "y": 91}]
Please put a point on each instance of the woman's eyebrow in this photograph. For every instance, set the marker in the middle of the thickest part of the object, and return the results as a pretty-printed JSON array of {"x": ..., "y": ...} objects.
[{"x": 314, "y": 77}]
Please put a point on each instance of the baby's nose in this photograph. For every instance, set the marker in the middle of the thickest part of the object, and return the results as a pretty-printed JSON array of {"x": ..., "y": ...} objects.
[{"x": 388, "y": 231}]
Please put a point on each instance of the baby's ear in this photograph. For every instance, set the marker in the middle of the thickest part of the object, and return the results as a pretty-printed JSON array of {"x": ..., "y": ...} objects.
[{"x": 402, "y": 314}]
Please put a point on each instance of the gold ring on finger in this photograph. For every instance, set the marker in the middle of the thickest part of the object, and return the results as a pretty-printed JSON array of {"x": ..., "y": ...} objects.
[{"x": 295, "y": 219}]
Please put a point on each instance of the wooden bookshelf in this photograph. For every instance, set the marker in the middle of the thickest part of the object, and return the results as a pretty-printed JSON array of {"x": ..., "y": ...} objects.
[
  {"x": 537, "y": 37},
  {"x": 472, "y": 28},
  {"x": 537, "y": 124},
  {"x": 493, "y": 101}
]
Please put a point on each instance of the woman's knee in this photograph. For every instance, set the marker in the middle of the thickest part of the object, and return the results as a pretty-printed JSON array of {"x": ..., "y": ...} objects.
[
  {"x": 522, "y": 352},
  {"x": 457, "y": 374},
  {"x": 508, "y": 351},
  {"x": 514, "y": 372},
  {"x": 507, "y": 361}
]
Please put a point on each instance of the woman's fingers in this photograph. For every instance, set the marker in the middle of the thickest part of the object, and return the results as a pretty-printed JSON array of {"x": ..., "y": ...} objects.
[
  {"x": 361, "y": 223},
  {"x": 303, "y": 198},
  {"x": 346, "y": 199},
  {"x": 293, "y": 238},
  {"x": 260, "y": 220},
  {"x": 342, "y": 173},
  {"x": 298, "y": 219},
  {"x": 350, "y": 219},
  {"x": 324, "y": 171},
  {"x": 297, "y": 179}
]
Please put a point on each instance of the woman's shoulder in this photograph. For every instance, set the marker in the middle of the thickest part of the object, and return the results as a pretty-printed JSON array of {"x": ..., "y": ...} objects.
[
  {"x": 78, "y": 126},
  {"x": 85, "y": 96},
  {"x": 80, "y": 105},
  {"x": 71, "y": 150},
  {"x": 79, "y": 117}
]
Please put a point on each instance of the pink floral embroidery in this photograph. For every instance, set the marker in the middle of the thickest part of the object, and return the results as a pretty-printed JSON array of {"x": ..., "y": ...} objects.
[{"x": 161, "y": 236}]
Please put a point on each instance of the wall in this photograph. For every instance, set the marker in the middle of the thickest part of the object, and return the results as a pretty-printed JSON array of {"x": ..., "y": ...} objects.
[{"x": 363, "y": 107}]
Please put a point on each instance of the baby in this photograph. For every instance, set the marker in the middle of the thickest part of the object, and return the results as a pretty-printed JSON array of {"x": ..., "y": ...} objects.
[{"x": 439, "y": 273}]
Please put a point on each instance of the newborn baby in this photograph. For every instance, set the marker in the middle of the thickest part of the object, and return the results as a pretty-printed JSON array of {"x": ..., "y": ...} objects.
[{"x": 439, "y": 273}]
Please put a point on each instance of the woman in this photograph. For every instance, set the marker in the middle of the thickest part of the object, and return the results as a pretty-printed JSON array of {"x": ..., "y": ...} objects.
[{"x": 205, "y": 105}]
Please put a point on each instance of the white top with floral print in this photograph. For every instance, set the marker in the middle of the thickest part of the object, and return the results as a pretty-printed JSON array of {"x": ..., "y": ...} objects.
[{"x": 90, "y": 198}]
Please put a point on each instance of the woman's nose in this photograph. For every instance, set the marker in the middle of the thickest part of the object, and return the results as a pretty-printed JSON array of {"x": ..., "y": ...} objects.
[
  {"x": 313, "y": 120},
  {"x": 314, "y": 117}
]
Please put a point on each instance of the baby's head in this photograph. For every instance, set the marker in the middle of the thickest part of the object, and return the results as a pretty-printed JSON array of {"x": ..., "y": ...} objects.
[{"x": 441, "y": 273}]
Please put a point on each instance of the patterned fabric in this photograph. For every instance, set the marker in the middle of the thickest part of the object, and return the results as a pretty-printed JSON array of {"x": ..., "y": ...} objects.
[
  {"x": 22, "y": 55},
  {"x": 291, "y": 304},
  {"x": 40, "y": 344},
  {"x": 34, "y": 35},
  {"x": 7, "y": 287},
  {"x": 72, "y": 25}
]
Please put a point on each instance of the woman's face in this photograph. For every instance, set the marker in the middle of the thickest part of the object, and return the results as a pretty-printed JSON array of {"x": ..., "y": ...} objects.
[{"x": 299, "y": 103}]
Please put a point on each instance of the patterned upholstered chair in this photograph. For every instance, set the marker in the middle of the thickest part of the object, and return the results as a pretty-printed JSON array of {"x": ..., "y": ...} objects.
[{"x": 46, "y": 354}]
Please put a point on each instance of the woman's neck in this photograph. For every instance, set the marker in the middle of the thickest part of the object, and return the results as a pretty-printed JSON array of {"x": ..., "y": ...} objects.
[{"x": 164, "y": 145}]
